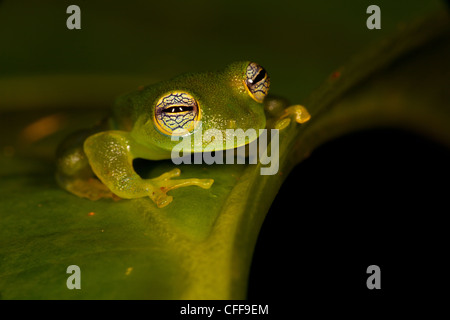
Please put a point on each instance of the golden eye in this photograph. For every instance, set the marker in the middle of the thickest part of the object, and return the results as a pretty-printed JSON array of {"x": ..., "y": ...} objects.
[
  {"x": 257, "y": 82},
  {"x": 176, "y": 113}
]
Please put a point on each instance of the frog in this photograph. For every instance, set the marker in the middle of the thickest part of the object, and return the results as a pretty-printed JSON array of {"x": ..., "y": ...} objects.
[{"x": 97, "y": 163}]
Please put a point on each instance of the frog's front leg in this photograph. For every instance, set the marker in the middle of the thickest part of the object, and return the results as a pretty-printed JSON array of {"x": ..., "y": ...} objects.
[
  {"x": 280, "y": 113},
  {"x": 162, "y": 184},
  {"x": 73, "y": 172},
  {"x": 297, "y": 112},
  {"x": 111, "y": 155}
]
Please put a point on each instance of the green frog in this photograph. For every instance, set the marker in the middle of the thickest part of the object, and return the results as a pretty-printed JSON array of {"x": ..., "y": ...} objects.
[{"x": 98, "y": 162}]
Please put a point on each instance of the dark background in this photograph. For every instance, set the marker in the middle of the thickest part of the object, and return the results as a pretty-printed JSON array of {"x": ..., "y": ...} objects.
[
  {"x": 300, "y": 43},
  {"x": 378, "y": 197}
]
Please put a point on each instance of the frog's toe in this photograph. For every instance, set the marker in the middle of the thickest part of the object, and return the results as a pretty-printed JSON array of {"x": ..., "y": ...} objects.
[
  {"x": 301, "y": 115},
  {"x": 167, "y": 185},
  {"x": 161, "y": 200},
  {"x": 171, "y": 174},
  {"x": 298, "y": 112},
  {"x": 202, "y": 183},
  {"x": 205, "y": 183},
  {"x": 282, "y": 123}
]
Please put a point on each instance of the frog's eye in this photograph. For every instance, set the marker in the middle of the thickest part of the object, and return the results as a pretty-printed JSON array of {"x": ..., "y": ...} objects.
[
  {"x": 176, "y": 113},
  {"x": 257, "y": 82}
]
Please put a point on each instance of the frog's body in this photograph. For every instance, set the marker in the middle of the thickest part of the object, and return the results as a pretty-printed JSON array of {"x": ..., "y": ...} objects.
[{"x": 143, "y": 122}]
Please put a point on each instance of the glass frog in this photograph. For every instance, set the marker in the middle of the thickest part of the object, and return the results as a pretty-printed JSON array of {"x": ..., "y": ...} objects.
[{"x": 98, "y": 162}]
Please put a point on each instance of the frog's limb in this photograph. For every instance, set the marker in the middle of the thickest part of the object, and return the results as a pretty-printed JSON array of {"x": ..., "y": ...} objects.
[
  {"x": 279, "y": 113},
  {"x": 298, "y": 113},
  {"x": 73, "y": 171},
  {"x": 163, "y": 184},
  {"x": 111, "y": 155}
]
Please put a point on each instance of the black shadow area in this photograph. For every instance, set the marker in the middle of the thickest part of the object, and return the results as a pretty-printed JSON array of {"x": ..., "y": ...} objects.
[{"x": 379, "y": 197}]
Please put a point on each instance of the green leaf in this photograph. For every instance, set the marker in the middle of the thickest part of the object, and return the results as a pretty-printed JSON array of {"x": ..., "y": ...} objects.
[{"x": 200, "y": 246}]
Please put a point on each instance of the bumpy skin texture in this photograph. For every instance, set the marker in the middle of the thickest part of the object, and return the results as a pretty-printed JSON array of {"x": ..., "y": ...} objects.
[{"x": 97, "y": 163}]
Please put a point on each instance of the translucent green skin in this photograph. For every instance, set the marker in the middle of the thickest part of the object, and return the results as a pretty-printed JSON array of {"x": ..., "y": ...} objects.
[
  {"x": 224, "y": 102},
  {"x": 222, "y": 96}
]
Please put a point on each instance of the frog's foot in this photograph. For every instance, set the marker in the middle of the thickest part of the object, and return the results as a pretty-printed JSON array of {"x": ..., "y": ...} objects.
[
  {"x": 163, "y": 184},
  {"x": 91, "y": 188},
  {"x": 298, "y": 113}
]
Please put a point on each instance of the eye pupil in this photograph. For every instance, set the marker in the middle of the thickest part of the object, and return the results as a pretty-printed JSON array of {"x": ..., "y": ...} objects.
[
  {"x": 177, "y": 109},
  {"x": 260, "y": 76}
]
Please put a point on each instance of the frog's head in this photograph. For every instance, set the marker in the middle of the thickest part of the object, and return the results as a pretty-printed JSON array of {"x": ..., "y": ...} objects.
[{"x": 195, "y": 103}]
